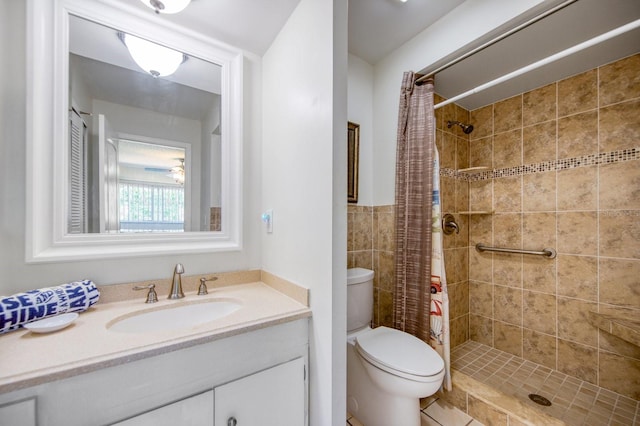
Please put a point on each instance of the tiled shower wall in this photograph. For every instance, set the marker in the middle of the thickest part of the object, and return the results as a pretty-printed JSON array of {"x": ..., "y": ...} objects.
[
  {"x": 565, "y": 173},
  {"x": 371, "y": 232}
]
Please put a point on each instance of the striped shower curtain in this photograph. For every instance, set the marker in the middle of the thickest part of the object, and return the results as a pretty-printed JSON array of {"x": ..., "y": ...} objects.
[{"x": 420, "y": 296}]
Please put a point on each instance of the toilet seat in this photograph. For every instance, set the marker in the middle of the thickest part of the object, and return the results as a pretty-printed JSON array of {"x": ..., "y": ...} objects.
[{"x": 399, "y": 353}]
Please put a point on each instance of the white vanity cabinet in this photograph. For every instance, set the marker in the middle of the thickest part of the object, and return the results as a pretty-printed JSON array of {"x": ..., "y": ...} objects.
[
  {"x": 259, "y": 377},
  {"x": 196, "y": 410},
  {"x": 19, "y": 413},
  {"x": 273, "y": 397}
]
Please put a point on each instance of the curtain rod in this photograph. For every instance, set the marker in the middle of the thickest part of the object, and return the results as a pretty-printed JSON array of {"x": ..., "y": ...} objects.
[
  {"x": 495, "y": 40},
  {"x": 549, "y": 59}
]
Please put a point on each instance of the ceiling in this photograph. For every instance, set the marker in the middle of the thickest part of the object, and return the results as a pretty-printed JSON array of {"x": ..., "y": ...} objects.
[{"x": 377, "y": 27}]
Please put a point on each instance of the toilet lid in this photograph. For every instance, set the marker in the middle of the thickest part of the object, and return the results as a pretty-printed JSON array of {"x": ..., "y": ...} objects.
[{"x": 399, "y": 351}]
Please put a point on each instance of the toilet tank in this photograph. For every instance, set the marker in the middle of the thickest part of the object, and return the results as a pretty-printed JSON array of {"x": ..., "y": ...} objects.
[{"x": 359, "y": 298}]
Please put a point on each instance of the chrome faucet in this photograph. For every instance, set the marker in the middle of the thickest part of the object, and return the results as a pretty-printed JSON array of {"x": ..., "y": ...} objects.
[{"x": 176, "y": 286}]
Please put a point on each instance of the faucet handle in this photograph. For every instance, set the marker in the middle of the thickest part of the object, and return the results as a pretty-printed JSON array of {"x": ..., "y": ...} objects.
[
  {"x": 152, "y": 296},
  {"x": 202, "y": 290}
]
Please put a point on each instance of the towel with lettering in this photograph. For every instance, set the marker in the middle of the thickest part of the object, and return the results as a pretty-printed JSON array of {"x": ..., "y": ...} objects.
[{"x": 41, "y": 303}]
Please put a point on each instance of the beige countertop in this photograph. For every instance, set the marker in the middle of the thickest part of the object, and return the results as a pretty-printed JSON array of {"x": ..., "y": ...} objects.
[{"x": 30, "y": 359}]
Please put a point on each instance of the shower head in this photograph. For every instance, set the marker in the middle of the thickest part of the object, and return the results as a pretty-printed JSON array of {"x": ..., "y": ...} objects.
[{"x": 466, "y": 128}]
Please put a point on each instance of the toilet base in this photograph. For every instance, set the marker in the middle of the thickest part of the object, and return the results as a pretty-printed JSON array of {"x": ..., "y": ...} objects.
[{"x": 372, "y": 406}]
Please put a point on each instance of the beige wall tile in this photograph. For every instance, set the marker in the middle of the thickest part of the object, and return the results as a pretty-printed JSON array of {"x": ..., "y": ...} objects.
[
  {"x": 482, "y": 120},
  {"x": 539, "y": 105},
  {"x": 448, "y": 194},
  {"x": 462, "y": 202},
  {"x": 507, "y": 304},
  {"x": 361, "y": 259},
  {"x": 620, "y": 80},
  {"x": 448, "y": 151},
  {"x": 619, "y": 233},
  {"x": 539, "y": 192},
  {"x": 485, "y": 413},
  {"x": 577, "y": 188},
  {"x": 462, "y": 152},
  {"x": 480, "y": 229},
  {"x": 578, "y": 360},
  {"x": 507, "y": 269},
  {"x": 458, "y": 299},
  {"x": 507, "y": 115},
  {"x": 539, "y": 273},
  {"x": 481, "y": 298},
  {"x": 362, "y": 230},
  {"x": 507, "y": 337},
  {"x": 619, "y": 126},
  {"x": 538, "y": 230},
  {"x": 462, "y": 263},
  {"x": 461, "y": 240},
  {"x": 577, "y": 233},
  {"x": 480, "y": 195},
  {"x": 539, "y": 348},
  {"x": 578, "y": 277},
  {"x": 578, "y": 93},
  {"x": 619, "y": 282},
  {"x": 481, "y": 329},
  {"x": 350, "y": 219},
  {"x": 481, "y": 152},
  {"x": 573, "y": 321},
  {"x": 386, "y": 270},
  {"x": 507, "y": 194},
  {"x": 539, "y": 312},
  {"x": 450, "y": 262},
  {"x": 619, "y": 185},
  {"x": 507, "y": 230},
  {"x": 459, "y": 330},
  {"x": 620, "y": 374},
  {"x": 448, "y": 114},
  {"x": 461, "y": 115},
  {"x": 539, "y": 142},
  {"x": 385, "y": 308},
  {"x": 578, "y": 135},
  {"x": 480, "y": 265},
  {"x": 385, "y": 235},
  {"x": 609, "y": 343},
  {"x": 507, "y": 149}
]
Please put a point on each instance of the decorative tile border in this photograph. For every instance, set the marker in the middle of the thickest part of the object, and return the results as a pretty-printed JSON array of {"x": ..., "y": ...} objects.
[{"x": 548, "y": 166}]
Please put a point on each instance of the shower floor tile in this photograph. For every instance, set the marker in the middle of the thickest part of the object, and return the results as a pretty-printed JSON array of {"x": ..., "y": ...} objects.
[{"x": 574, "y": 401}]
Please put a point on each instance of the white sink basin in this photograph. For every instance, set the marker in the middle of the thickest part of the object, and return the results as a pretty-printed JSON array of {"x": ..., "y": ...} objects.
[{"x": 174, "y": 318}]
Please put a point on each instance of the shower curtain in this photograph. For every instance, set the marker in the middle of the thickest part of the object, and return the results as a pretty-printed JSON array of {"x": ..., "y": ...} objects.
[{"x": 420, "y": 297}]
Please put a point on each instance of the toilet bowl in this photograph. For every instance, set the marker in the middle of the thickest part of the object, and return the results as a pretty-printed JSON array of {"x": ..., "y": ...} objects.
[{"x": 388, "y": 370}]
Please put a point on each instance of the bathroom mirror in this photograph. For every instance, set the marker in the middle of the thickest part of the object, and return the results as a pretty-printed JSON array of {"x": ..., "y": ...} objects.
[{"x": 127, "y": 161}]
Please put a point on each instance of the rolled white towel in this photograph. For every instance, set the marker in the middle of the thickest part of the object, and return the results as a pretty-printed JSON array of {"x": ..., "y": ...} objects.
[{"x": 37, "y": 304}]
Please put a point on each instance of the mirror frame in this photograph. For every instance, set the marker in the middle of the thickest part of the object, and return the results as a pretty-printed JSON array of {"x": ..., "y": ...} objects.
[{"x": 47, "y": 129}]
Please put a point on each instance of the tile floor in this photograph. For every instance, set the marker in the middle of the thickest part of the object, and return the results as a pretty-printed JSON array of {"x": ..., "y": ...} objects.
[
  {"x": 434, "y": 412},
  {"x": 574, "y": 401}
]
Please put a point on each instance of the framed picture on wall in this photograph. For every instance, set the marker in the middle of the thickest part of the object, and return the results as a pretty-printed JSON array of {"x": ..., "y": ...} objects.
[{"x": 353, "y": 146}]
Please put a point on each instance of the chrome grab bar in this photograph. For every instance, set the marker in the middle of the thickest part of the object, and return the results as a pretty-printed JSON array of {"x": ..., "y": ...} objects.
[{"x": 547, "y": 252}]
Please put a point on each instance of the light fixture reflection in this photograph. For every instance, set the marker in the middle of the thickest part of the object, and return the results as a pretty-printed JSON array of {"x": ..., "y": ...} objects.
[
  {"x": 177, "y": 172},
  {"x": 159, "y": 61},
  {"x": 166, "y": 6}
]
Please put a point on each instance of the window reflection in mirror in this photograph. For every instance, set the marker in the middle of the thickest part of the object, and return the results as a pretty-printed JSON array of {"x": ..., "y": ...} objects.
[{"x": 144, "y": 146}]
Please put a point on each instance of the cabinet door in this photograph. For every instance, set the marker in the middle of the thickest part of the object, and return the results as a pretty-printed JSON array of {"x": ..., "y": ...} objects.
[
  {"x": 273, "y": 397},
  {"x": 21, "y": 413},
  {"x": 193, "y": 411}
]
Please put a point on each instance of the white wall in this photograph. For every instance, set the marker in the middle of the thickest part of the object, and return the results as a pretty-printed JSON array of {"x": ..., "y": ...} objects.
[
  {"x": 469, "y": 21},
  {"x": 19, "y": 276},
  {"x": 360, "y": 110},
  {"x": 304, "y": 132}
]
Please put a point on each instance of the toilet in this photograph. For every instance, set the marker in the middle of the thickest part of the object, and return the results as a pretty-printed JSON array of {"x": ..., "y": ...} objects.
[{"x": 388, "y": 370}]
